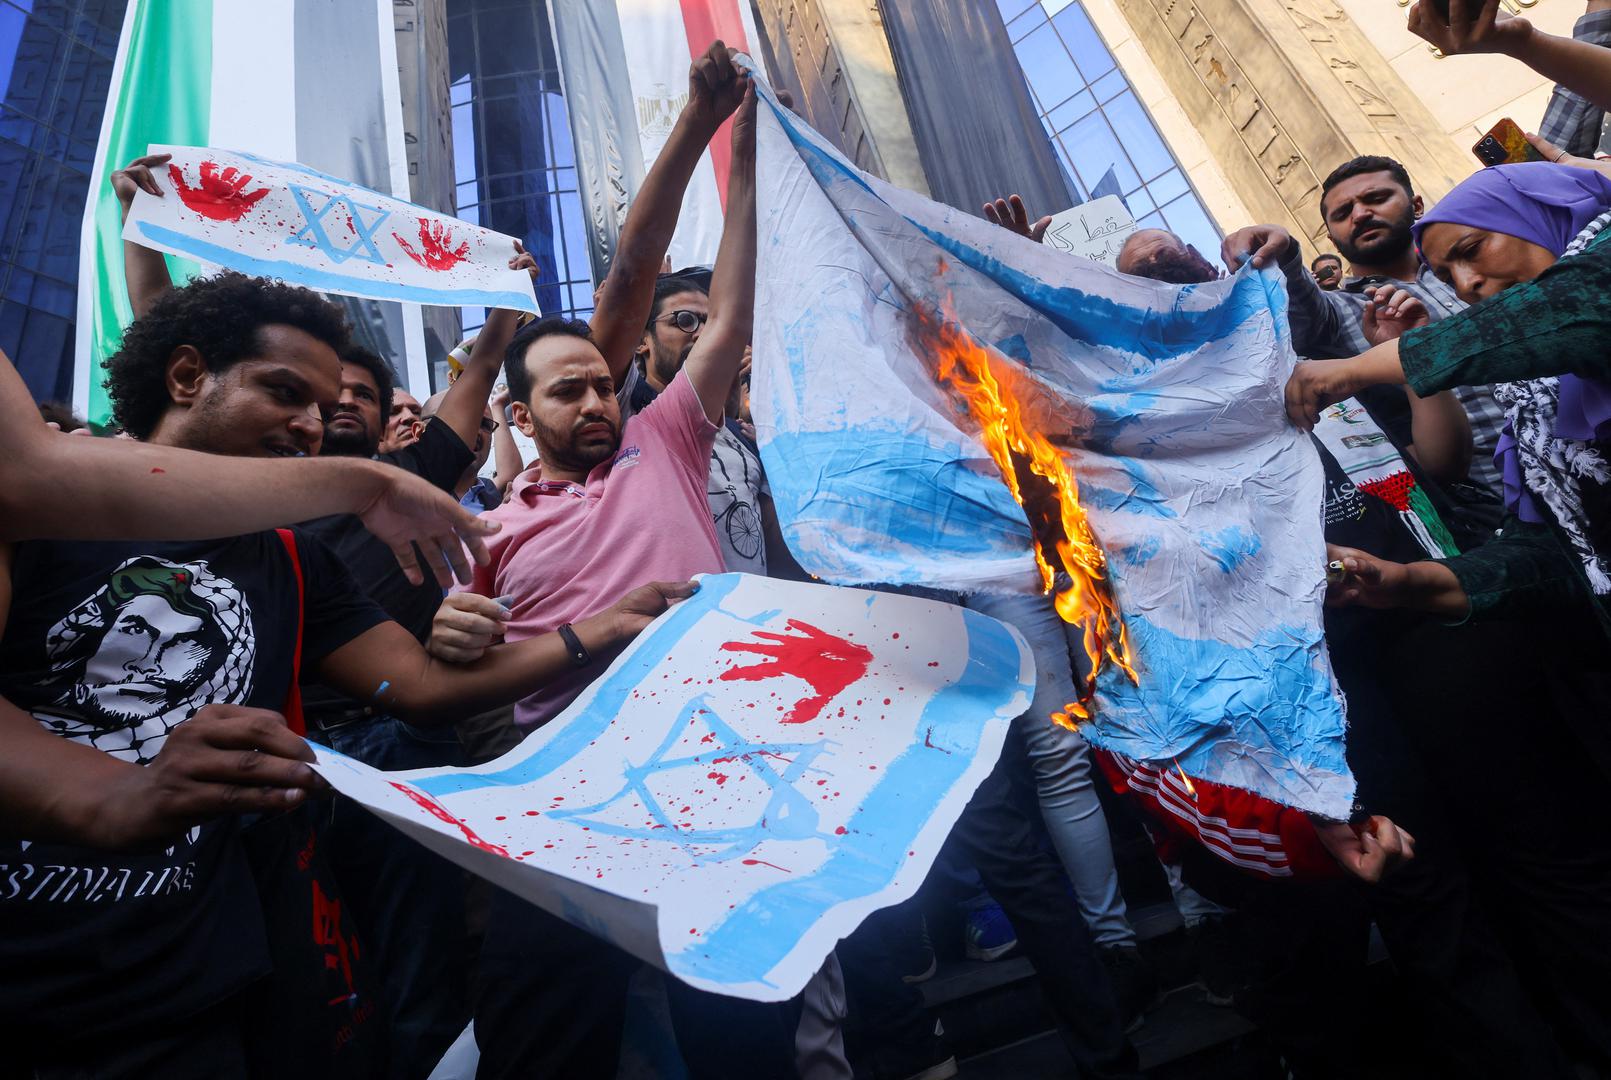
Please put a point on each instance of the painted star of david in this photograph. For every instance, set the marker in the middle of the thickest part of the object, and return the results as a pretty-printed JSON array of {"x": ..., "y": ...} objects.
[
  {"x": 313, "y": 233},
  {"x": 788, "y": 814}
]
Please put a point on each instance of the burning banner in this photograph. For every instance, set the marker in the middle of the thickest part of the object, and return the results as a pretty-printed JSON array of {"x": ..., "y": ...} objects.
[{"x": 940, "y": 402}]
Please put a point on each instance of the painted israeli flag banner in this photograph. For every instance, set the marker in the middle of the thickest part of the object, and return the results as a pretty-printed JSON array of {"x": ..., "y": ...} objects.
[
  {"x": 293, "y": 223},
  {"x": 1165, "y": 400},
  {"x": 767, "y": 764}
]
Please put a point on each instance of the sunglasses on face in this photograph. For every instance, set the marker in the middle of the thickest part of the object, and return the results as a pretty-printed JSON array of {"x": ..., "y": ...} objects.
[
  {"x": 488, "y": 424},
  {"x": 686, "y": 321}
]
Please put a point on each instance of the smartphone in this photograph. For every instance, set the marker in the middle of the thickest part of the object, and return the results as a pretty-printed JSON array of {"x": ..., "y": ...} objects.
[{"x": 1505, "y": 144}]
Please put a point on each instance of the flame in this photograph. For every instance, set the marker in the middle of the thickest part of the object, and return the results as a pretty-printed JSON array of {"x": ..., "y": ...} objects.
[
  {"x": 1043, "y": 484},
  {"x": 1191, "y": 788}
]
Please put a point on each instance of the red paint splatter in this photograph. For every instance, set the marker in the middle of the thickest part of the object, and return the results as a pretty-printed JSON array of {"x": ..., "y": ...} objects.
[
  {"x": 720, "y": 778},
  {"x": 827, "y": 662},
  {"x": 840, "y": 831},
  {"x": 437, "y": 810},
  {"x": 219, "y": 196},
  {"x": 928, "y": 741},
  {"x": 159, "y": 470},
  {"x": 436, "y": 247},
  {"x": 763, "y": 862}
]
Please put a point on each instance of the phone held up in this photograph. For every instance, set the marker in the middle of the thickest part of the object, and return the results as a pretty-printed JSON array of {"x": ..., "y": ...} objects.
[{"x": 1505, "y": 144}]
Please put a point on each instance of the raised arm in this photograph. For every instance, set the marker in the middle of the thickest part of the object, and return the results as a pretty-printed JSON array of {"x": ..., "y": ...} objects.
[
  {"x": 418, "y": 686},
  {"x": 506, "y": 458},
  {"x": 1440, "y": 430},
  {"x": 715, "y": 358},
  {"x": 1478, "y": 26},
  {"x": 145, "y": 270},
  {"x": 714, "y": 91},
  {"x": 466, "y": 400},
  {"x": 141, "y": 492}
]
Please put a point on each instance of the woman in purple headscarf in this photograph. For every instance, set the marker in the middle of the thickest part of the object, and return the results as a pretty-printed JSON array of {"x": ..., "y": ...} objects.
[{"x": 1525, "y": 245}]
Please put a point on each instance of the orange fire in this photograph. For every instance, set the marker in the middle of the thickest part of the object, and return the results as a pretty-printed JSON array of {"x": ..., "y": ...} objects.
[{"x": 1043, "y": 484}]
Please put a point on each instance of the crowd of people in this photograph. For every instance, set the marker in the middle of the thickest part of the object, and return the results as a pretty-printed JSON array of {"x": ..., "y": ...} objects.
[{"x": 283, "y": 543}]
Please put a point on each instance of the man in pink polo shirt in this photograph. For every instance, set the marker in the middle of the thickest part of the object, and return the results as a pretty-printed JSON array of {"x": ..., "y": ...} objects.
[{"x": 610, "y": 503}]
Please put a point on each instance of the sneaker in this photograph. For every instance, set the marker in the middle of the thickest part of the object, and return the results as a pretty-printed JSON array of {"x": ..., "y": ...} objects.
[
  {"x": 916, "y": 955},
  {"x": 988, "y": 935},
  {"x": 1135, "y": 982}
]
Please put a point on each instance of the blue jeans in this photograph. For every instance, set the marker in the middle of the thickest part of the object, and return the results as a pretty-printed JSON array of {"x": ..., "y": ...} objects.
[
  {"x": 408, "y": 903},
  {"x": 1065, "y": 782}
]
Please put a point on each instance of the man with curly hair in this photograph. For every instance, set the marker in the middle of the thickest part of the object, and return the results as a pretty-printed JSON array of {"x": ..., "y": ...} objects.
[{"x": 131, "y": 931}]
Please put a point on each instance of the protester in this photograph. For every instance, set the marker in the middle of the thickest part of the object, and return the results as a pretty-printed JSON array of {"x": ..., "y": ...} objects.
[
  {"x": 574, "y": 527},
  {"x": 1327, "y": 270},
  {"x": 474, "y": 491},
  {"x": 403, "y": 421},
  {"x": 113, "y": 646},
  {"x": 393, "y": 885},
  {"x": 1504, "y": 240},
  {"x": 1440, "y": 915},
  {"x": 1369, "y": 206},
  {"x": 151, "y": 492}
]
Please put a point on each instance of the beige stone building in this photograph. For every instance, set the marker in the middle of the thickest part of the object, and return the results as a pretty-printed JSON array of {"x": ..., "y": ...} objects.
[{"x": 1255, "y": 99}]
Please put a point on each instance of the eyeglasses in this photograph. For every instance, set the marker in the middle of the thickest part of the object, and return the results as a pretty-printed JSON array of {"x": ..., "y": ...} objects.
[
  {"x": 686, "y": 321},
  {"x": 488, "y": 424}
]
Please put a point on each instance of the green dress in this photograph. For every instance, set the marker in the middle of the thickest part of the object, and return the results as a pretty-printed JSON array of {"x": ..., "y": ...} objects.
[{"x": 1559, "y": 323}]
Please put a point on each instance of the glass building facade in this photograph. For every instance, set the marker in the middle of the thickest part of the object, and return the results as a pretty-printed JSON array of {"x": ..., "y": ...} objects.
[
  {"x": 1096, "y": 122},
  {"x": 55, "y": 67},
  {"x": 513, "y": 158}
]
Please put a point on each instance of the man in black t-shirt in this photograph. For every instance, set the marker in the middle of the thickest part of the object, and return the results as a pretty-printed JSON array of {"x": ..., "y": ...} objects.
[{"x": 126, "y": 943}]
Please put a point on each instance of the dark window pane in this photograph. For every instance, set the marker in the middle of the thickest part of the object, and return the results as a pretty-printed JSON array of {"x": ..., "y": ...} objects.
[
  {"x": 11, "y": 26},
  {"x": 562, "y": 147},
  {"x": 506, "y": 40}
]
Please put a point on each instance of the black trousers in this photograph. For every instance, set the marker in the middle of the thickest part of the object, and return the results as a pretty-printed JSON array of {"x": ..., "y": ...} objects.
[
  {"x": 997, "y": 837},
  {"x": 1418, "y": 693},
  {"x": 551, "y": 1002}
]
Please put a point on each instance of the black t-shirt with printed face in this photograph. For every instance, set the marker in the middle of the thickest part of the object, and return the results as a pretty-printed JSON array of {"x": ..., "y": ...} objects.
[
  {"x": 113, "y": 644},
  {"x": 439, "y": 458}
]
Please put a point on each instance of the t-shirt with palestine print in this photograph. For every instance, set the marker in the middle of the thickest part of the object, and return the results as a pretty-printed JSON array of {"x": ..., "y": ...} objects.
[{"x": 112, "y": 645}]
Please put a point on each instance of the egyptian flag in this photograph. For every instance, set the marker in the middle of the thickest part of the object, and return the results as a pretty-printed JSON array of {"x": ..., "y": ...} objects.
[{"x": 290, "y": 80}]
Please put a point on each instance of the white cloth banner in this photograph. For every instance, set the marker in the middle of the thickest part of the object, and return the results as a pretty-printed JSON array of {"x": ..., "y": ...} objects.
[
  {"x": 767, "y": 764},
  {"x": 1165, "y": 402},
  {"x": 286, "y": 221}
]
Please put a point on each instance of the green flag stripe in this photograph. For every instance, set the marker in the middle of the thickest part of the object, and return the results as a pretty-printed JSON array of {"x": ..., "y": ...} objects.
[{"x": 165, "y": 97}]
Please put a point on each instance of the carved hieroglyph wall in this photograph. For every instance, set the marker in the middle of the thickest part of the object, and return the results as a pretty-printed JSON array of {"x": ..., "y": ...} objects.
[{"x": 1281, "y": 91}]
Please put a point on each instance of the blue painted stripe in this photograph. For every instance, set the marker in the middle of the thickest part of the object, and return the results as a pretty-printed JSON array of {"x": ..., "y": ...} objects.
[
  {"x": 297, "y": 274},
  {"x": 1152, "y": 333},
  {"x": 760, "y": 932}
]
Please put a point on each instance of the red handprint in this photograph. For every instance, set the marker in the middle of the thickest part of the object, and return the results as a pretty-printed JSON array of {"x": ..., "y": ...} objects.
[
  {"x": 827, "y": 662},
  {"x": 436, "y": 252},
  {"x": 220, "y": 196}
]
